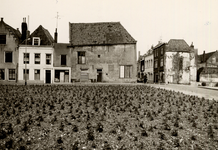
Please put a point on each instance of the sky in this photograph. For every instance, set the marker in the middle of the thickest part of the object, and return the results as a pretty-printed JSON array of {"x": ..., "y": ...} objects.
[{"x": 147, "y": 21}]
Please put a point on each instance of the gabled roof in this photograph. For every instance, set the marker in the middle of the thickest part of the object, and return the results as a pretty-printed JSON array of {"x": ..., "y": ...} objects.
[
  {"x": 15, "y": 32},
  {"x": 178, "y": 45},
  {"x": 99, "y": 34},
  {"x": 43, "y": 34},
  {"x": 158, "y": 45},
  {"x": 207, "y": 56}
]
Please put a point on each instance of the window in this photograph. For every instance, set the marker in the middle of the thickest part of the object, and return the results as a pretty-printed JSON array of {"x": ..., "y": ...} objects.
[
  {"x": 155, "y": 64},
  {"x": 8, "y": 57},
  {"x": 37, "y": 74},
  {"x": 2, "y": 39},
  {"x": 81, "y": 58},
  {"x": 63, "y": 60},
  {"x": 27, "y": 74},
  {"x": 2, "y": 74},
  {"x": 36, "y": 41},
  {"x": 126, "y": 71},
  {"x": 26, "y": 58},
  {"x": 161, "y": 62},
  {"x": 214, "y": 60},
  {"x": 162, "y": 51},
  {"x": 48, "y": 59},
  {"x": 37, "y": 58},
  {"x": 11, "y": 74},
  {"x": 99, "y": 56}
]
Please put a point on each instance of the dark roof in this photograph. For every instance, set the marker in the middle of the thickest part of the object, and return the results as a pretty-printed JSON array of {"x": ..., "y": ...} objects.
[
  {"x": 99, "y": 34},
  {"x": 207, "y": 56},
  {"x": 43, "y": 34},
  {"x": 15, "y": 32},
  {"x": 178, "y": 45},
  {"x": 158, "y": 45}
]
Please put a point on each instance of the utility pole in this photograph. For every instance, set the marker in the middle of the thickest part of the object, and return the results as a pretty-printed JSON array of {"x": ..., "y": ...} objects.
[{"x": 25, "y": 55}]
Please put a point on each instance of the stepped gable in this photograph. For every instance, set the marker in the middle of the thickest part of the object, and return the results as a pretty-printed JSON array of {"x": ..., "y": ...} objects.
[{"x": 102, "y": 33}]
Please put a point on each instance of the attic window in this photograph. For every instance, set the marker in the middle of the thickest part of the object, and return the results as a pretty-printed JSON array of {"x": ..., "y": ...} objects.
[
  {"x": 99, "y": 56},
  {"x": 36, "y": 41}
]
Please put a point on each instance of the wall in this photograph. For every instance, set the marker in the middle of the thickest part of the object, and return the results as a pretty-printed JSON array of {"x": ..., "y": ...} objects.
[
  {"x": 115, "y": 55},
  {"x": 61, "y": 49},
  {"x": 177, "y": 67},
  {"x": 149, "y": 68},
  {"x": 43, "y": 50},
  {"x": 11, "y": 45}
]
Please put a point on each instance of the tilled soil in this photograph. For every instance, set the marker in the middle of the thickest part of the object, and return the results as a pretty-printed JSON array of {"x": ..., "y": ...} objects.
[{"x": 105, "y": 117}]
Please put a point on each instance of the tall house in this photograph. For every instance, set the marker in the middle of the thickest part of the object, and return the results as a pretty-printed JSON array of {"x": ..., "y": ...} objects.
[
  {"x": 10, "y": 39},
  {"x": 102, "y": 52},
  {"x": 175, "y": 62},
  {"x": 36, "y": 58}
]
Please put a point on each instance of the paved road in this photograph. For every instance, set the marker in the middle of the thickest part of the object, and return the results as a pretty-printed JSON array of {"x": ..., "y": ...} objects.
[{"x": 208, "y": 93}]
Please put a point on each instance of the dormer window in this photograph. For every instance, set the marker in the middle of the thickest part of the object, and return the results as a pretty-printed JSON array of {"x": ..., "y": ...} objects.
[{"x": 36, "y": 41}]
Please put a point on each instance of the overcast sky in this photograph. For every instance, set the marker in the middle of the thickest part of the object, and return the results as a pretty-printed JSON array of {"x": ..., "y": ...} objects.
[{"x": 148, "y": 21}]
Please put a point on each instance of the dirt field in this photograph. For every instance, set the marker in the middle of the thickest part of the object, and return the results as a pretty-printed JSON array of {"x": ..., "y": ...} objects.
[{"x": 105, "y": 117}]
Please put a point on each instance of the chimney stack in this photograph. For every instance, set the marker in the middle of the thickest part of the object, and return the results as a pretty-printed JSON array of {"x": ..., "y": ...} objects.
[
  {"x": 24, "y": 29},
  {"x": 2, "y": 19},
  {"x": 56, "y": 36},
  {"x": 204, "y": 58}
]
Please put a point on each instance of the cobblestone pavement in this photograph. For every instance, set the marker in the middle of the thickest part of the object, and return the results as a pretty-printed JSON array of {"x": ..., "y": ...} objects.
[{"x": 206, "y": 92}]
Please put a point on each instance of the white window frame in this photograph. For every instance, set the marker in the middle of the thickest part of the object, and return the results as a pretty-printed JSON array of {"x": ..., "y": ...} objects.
[
  {"x": 9, "y": 74},
  {"x": 35, "y": 58},
  {"x": 24, "y": 58},
  {"x": 46, "y": 58},
  {"x": 36, "y": 38}
]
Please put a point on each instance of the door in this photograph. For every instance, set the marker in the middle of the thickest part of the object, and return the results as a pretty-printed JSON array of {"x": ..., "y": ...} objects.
[
  {"x": 48, "y": 76},
  {"x": 99, "y": 75},
  {"x": 61, "y": 76}
]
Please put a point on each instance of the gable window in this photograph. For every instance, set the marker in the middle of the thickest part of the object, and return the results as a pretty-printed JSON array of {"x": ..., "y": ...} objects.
[
  {"x": 27, "y": 74},
  {"x": 81, "y": 58},
  {"x": 8, "y": 57},
  {"x": 36, "y": 41},
  {"x": 37, "y": 74},
  {"x": 126, "y": 71},
  {"x": 63, "y": 60},
  {"x": 37, "y": 58},
  {"x": 48, "y": 59},
  {"x": 2, "y": 74},
  {"x": 26, "y": 58},
  {"x": 11, "y": 73},
  {"x": 2, "y": 39}
]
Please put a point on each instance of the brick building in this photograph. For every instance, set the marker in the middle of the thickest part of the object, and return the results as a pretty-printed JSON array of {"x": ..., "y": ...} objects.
[
  {"x": 102, "y": 52},
  {"x": 10, "y": 39}
]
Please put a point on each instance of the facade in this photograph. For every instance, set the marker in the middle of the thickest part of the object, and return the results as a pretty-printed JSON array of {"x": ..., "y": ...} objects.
[
  {"x": 62, "y": 63},
  {"x": 148, "y": 65},
  {"x": 10, "y": 39},
  {"x": 102, "y": 52},
  {"x": 36, "y": 58},
  {"x": 208, "y": 68},
  {"x": 175, "y": 62}
]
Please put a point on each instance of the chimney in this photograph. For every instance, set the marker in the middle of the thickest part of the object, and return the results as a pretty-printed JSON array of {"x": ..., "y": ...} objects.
[
  {"x": 2, "y": 19},
  {"x": 192, "y": 46},
  {"x": 56, "y": 36},
  {"x": 24, "y": 29},
  {"x": 138, "y": 55},
  {"x": 204, "y": 58}
]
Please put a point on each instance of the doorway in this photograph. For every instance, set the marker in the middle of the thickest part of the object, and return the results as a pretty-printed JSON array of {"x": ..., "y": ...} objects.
[
  {"x": 48, "y": 76},
  {"x": 99, "y": 75}
]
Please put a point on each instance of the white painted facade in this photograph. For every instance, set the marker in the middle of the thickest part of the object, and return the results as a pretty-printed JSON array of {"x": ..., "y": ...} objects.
[
  {"x": 46, "y": 70},
  {"x": 149, "y": 70}
]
